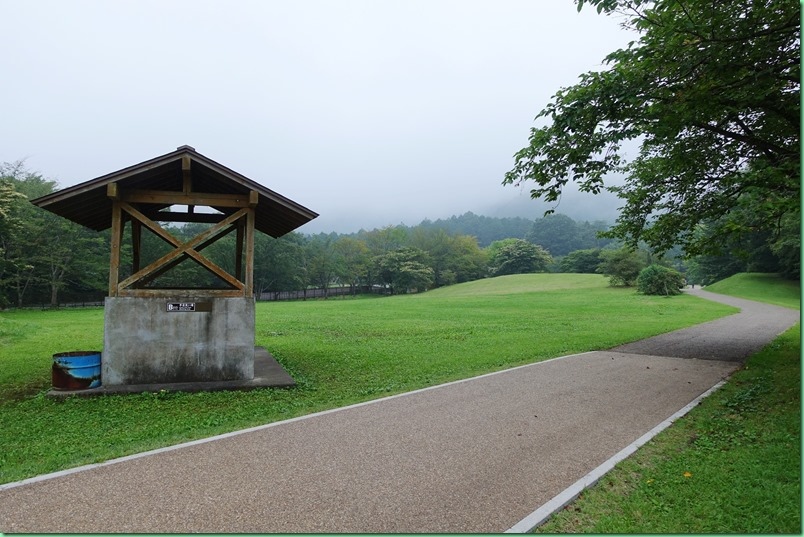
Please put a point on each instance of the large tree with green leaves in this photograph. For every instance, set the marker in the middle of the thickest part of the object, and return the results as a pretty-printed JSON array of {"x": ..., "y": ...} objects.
[
  {"x": 41, "y": 251},
  {"x": 10, "y": 225},
  {"x": 517, "y": 256},
  {"x": 405, "y": 269},
  {"x": 709, "y": 92}
]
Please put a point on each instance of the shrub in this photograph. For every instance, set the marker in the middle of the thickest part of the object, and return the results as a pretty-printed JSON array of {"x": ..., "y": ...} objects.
[
  {"x": 621, "y": 266},
  {"x": 659, "y": 280}
]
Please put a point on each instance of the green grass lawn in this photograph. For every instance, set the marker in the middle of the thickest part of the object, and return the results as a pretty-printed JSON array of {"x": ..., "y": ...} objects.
[
  {"x": 339, "y": 351},
  {"x": 770, "y": 288},
  {"x": 732, "y": 465}
]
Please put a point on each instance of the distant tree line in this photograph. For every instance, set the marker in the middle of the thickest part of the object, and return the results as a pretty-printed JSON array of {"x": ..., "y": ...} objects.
[{"x": 45, "y": 259}]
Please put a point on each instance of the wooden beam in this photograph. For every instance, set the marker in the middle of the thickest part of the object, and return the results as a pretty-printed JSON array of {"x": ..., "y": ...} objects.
[
  {"x": 146, "y": 280},
  {"x": 158, "y": 230},
  {"x": 180, "y": 293},
  {"x": 196, "y": 218},
  {"x": 162, "y": 197},
  {"x": 173, "y": 257},
  {"x": 112, "y": 191},
  {"x": 187, "y": 248},
  {"x": 187, "y": 185}
]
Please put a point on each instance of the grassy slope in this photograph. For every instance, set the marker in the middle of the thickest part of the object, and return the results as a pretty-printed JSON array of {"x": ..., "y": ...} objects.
[
  {"x": 732, "y": 465},
  {"x": 340, "y": 352},
  {"x": 769, "y": 288}
]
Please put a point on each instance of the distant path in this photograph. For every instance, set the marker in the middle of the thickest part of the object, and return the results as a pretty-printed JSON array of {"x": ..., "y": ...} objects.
[
  {"x": 470, "y": 456},
  {"x": 732, "y": 338}
]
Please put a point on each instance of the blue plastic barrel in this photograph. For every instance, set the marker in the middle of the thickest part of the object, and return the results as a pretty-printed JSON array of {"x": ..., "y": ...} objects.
[{"x": 76, "y": 370}]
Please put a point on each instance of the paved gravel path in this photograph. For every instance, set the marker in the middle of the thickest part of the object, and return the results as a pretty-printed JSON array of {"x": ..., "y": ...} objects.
[{"x": 472, "y": 456}]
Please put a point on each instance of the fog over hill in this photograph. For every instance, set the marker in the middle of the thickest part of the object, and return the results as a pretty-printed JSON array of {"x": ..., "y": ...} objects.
[{"x": 580, "y": 206}]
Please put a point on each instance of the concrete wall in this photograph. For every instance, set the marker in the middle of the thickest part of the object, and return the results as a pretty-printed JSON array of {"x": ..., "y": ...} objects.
[{"x": 145, "y": 343}]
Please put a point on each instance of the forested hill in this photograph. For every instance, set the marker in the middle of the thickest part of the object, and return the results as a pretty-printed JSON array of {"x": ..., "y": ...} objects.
[
  {"x": 486, "y": 229},
  {"x": 557, "y": 233}
]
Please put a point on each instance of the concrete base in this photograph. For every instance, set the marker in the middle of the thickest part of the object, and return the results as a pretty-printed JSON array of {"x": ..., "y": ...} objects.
[
  {"x": 165, "y": 340},
  {"x": 267, "y": 374}
]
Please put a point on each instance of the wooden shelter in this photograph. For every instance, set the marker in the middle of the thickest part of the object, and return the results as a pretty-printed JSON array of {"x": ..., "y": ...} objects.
[
  {"x": 144, "y": 341},
  {"x": 143, "y": 194}
]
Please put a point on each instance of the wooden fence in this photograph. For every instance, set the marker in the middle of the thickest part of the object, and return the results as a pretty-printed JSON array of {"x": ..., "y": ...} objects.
[
  {"x": 302, "y": 294},
  {"x": 331, "y": 292}
]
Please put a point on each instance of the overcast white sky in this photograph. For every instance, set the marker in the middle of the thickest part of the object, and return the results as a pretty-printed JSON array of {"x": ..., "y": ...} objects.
[{"x": 370, "y": 113}]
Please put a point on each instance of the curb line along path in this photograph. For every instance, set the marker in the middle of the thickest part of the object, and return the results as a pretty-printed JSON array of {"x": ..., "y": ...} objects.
[{"x": 471, "y": 456}]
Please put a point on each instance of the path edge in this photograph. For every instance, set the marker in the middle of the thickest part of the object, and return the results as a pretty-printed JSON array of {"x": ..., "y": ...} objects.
[
  {"x": 568, "y": 495},
  {"x": 238, "y": 432}
]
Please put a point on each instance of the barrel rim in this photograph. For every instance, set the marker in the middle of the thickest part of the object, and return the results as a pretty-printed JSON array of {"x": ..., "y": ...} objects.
[{"x": 73, "y": 354}]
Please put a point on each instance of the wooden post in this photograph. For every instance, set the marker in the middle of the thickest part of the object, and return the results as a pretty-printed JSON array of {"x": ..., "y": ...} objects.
[
  {"x": 249, "y": 282},
  {"x": 253, "y": 199},
  {"x": 117, "y": 237}
]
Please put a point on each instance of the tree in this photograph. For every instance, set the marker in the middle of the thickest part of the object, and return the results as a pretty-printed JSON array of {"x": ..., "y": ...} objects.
[
  {"x": 278, "y": 263},
  {"x": 466, "y": 261},
  {"x": 582, "y": 261},
  {"x": 353, "y": 265},
  {"x": 707, "y": 269},
  {"x": 387, "y": 239},
  {"x": 42, "y": 249},
  {"x": 485, "y": 228},
  {"x": 710, "y": 92},
  {"x": 405, "y": 269},
  {"x": 321, "y": 262},
  {"x": 622, "y": 266},
  {"x": 659, "y": 280},
  {"x": 556, "y": 233},
  {"x": 453, "y": 258},
  {"x": 9, "y": 230},
  {"x": 518, "y": 256}
]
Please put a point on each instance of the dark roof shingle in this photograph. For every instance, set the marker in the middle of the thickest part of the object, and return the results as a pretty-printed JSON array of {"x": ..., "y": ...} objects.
[{"x": 88, "y": 204}]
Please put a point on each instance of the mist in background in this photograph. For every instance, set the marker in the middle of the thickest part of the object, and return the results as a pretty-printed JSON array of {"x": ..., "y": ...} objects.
[{"x": 371, "y": 113}]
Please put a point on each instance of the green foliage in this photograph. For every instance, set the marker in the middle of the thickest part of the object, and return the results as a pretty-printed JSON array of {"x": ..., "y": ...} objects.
[
  {"x": 404, "y": 270},
  {"x": 559, "y": 234},
  {"x": 322, "y": 264},
  {"x": 454, "y": 259},
  {"x": 582, "y": 261},
  {"x": 622, "y": 266},
  {"x": 485, "y": 229},
  {"x": 353, "y": 268},
  {"x": 711, "y": 94},
  {"x": 41, "y": 252},
  {"x": 787, "y": 245},
  {"x": 659, "y": 280},
  {"x": 279, "y": 263},
  {"x": 387, "y": 239},
  {"x": 518, "y": 256}
]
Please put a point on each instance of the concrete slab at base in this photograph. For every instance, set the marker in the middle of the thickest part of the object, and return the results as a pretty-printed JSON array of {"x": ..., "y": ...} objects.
[
  {"x": 268, "y": 373},
  {"x": 154, "y": 341}
]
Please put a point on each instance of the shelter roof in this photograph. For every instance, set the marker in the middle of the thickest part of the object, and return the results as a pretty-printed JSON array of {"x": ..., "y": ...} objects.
[{"x": 88, "y": 204}]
